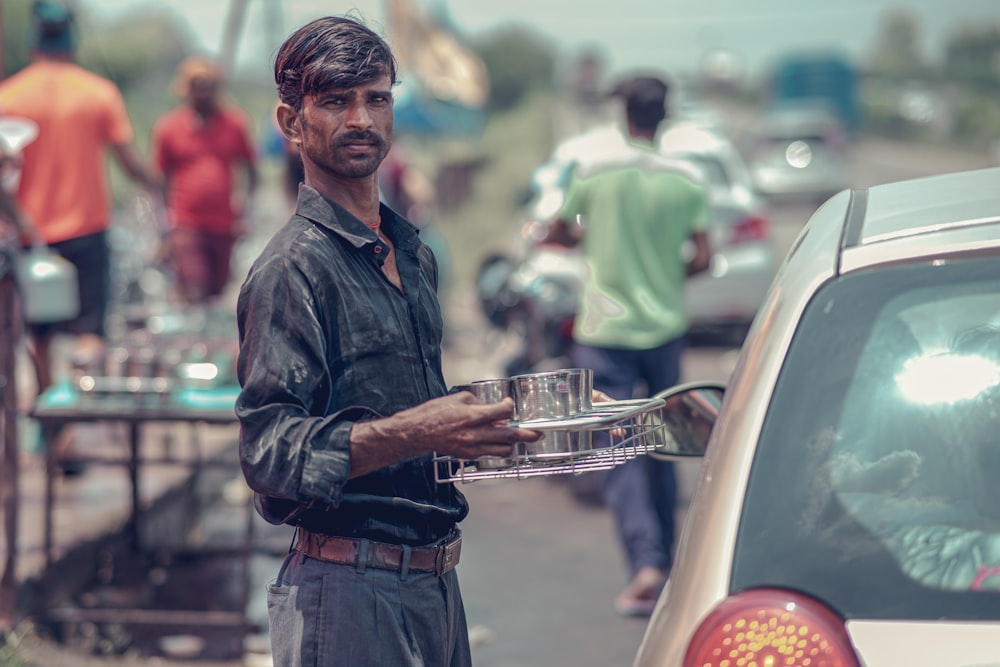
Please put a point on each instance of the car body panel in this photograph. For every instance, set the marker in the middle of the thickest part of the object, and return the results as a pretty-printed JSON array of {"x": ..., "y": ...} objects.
[
  {"x": 908, "y": 221},
  {"x": 949, "y": 224},
  {"x": 961, "y": 200},
  {"x": 732, "y": 288},
  {"x": 724, "y": 470},
  {"x": 934, "y": 643}
]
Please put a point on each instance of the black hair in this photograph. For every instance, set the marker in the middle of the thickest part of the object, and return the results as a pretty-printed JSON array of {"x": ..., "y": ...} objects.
[
  {"x": 331, "y": 52},
  {"x": 53, "y": 27},
  {"x": 645, "y": 100}
]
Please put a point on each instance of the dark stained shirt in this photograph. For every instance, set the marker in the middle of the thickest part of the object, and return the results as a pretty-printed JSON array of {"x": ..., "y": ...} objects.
[{"x": 326, "y": 340}]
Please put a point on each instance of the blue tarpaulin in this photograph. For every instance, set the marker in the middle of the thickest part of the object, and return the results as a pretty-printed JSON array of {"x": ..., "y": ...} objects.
[{"x": 418, "y": 112}]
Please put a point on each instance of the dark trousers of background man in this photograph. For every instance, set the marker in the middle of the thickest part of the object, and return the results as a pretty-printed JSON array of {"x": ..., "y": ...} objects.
[{"x": 641, "y": 493}]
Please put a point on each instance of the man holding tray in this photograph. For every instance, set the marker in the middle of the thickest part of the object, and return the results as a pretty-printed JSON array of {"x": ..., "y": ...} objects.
[{"x": 343, "y": 400}]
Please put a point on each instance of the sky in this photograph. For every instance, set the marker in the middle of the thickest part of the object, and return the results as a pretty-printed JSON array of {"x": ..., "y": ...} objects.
[{"x": 673, "y": 35}]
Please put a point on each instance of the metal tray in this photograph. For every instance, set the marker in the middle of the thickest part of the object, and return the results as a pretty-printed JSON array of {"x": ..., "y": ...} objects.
[
  {"x": 601, "y": 416},
  {"x": 629, "y": 435}
]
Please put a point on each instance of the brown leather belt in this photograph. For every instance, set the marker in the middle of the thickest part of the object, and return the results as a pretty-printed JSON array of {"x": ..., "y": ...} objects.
[{"x": 359, "y": 552}]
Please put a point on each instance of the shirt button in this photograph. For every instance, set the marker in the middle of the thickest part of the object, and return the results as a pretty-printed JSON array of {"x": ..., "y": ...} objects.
[{"x": 378, "y": 250}]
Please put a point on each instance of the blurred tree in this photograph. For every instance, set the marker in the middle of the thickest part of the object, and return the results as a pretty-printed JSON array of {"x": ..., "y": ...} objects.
[
  {"x": 518, "y": 61},
  {"x": 126, "y": 51},
  {"x": 15, "y": 16},
  {"x": 898, "y": 53},
  {"x": 972, "y": 56},
  {"x": 976, "y": 120},
  {"x": 148, "y": 42}
]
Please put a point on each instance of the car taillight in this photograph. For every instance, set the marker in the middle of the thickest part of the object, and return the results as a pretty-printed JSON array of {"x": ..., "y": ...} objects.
[
  {"x": 752, "y": 228},
  {"x": 770, "y": 628},
  {"x": 566, "y": 329}
]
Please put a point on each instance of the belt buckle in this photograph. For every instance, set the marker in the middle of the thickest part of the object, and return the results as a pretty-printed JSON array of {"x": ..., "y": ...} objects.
[{"x": 447, "y": 557}]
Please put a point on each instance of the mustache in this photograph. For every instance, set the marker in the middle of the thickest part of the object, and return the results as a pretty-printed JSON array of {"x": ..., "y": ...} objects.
[{"x": 363, "y": 136}]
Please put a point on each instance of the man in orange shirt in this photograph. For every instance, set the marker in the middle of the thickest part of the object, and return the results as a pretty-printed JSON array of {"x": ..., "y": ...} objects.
[
  {"x": 198, "y": 146},
  {"x": 63, "y": 188}
]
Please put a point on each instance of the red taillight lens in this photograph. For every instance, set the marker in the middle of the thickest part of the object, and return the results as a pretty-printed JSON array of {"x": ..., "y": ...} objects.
[
  {"x": 566, "y": 329},
  {"x": 770, "y": 628},
  {"x": 752, "y": 228}
]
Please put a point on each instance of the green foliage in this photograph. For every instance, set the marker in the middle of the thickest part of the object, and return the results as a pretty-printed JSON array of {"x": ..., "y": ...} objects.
[
  {"x": 142, "y": 45},
  {"x": 898, "y": 49},
  {"x": 514, "y": 143},
  {"x": 15, "y": 18},
  {"x": 519, "y": 61},
  {"x": 977, "y": 119},
  {"x": 972, "y": 56},
  {"x": 127, "y": 51},
  {"x": 882, "y": 117}
]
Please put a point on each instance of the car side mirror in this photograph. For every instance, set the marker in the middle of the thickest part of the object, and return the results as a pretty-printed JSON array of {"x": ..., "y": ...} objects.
[{"x": 688, "y": 414}]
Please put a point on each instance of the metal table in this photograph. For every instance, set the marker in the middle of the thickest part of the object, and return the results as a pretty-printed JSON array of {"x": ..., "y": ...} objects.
[{"x": 62, "y": 405}]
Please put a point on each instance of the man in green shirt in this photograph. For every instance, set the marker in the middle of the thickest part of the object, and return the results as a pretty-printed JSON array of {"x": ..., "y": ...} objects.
[{"x": 634, "y": 213}]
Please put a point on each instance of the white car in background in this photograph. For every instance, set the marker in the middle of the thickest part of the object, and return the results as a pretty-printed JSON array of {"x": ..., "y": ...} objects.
[{"x": 744, "y": 258}]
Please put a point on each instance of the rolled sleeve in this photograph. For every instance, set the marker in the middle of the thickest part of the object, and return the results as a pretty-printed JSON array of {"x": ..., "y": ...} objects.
[
  {"x": 289, "y": 447},
  {"x": 326, "y": 470}
]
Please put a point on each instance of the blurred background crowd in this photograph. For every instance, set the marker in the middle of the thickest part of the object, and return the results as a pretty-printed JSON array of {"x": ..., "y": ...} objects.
[
  {"x": 492, "y": 100},
  {"x": 487, "y": 107}
]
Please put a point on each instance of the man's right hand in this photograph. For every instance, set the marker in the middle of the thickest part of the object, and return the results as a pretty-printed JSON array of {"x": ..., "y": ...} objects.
[{"x": 457, "y": 425}]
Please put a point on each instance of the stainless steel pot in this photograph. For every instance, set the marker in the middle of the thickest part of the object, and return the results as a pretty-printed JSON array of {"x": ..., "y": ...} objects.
[
  {"x": 489, "y": 391},
  {"x": 560, "y": 394}
]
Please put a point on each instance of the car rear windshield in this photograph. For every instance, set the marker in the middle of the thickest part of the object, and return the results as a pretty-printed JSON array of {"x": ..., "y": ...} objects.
[
  {"x": 876, "y": 482},
  {"x": 712, "y": 170}
]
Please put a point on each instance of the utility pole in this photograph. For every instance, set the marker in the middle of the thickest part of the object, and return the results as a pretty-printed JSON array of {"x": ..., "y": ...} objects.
[
  {"x": 3, "y": 45},
  {"x": 274, "y": 22},
  {"x": 231, "y": 35}
]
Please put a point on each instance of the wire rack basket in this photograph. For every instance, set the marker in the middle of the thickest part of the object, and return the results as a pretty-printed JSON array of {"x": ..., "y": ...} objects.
[{"x": 631, "y": 430}]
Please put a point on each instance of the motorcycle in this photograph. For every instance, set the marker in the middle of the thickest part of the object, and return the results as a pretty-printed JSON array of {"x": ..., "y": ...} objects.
[{"x": 534, "y": 297}]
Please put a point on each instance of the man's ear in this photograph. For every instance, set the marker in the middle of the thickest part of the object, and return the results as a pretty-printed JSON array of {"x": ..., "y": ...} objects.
[{"x": 288, "y": 123}]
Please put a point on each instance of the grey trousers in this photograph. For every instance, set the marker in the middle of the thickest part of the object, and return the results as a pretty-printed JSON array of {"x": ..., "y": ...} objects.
[{"x": 327, "y": 615}]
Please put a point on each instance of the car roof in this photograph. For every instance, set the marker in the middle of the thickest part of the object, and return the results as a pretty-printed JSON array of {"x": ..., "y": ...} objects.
[
  {"x": 938, "y": 215},
  {"x": 692, "y": 137},
  {"x": 931, "y": 205}
]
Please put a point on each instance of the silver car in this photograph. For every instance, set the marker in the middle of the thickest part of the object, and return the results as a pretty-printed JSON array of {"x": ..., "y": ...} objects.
[
  {"x": 798, "y": 152},
  {"x": 848, "y": 508}
]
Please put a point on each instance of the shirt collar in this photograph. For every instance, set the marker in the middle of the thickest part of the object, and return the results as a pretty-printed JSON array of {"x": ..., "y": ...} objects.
[{"x": 324, "y": 212}]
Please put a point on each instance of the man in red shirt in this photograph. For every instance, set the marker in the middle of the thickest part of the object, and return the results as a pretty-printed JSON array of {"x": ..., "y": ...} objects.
[{"x": 198, "y": 147}]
